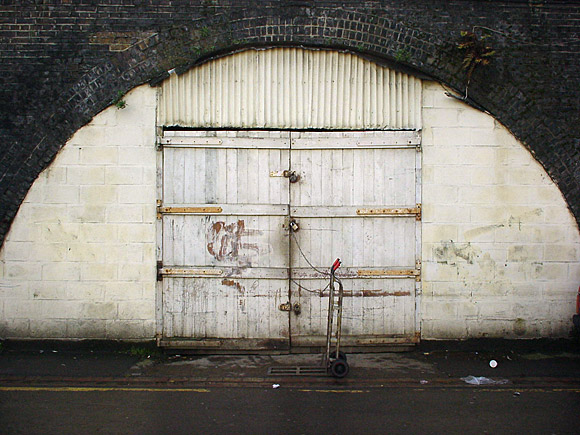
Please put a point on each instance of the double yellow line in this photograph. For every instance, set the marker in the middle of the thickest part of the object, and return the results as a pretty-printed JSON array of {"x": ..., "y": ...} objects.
[{"x": 104, "y": 389}]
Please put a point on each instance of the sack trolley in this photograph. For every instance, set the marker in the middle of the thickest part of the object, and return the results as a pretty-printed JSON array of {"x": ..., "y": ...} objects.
[{"x": 334, "y": 360}]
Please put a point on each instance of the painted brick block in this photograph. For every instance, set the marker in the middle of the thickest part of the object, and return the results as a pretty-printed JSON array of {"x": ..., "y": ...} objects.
[
  {"x": 136, "y": 195},
  {"x": 48, "y": 252},
  {"x": 127, "y": 329},
  {"x": 124, "y": 214},
  {"x": 450, "y": 137},
  {"x": 98, "y": 233},
  {"x": 137, "y": 272},
  {"x": 123, "y": 291},
  {"x": 99, "y": 310},
  {"x": 54, "y": 329},
  {"x": 61, "y": 271},
  {"x": 127, "y": 253},
  {"x": 80, "y": 175},
  {"x": 101, "y": 155},
  {"x": 124, "y": 175},
  {"x": 136, "y": 310},
  {"x": 92, "y": 195},
  {"x": 137, "y": 156},
  {"x": 86, "y": 252},
  {"x": 63, "y": 194},
  {"x": 144, "y": 233},
  {"x": 561, "y": 252},
  {"x": 14, "y": 328},
  {"x": 98, "y": 272},
  {"x": 60, "y": 232},
  {"x": 86, "y": 328}
]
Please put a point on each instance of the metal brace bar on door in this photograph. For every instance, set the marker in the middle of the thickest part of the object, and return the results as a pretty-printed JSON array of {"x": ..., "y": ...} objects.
[{"x": 404, "y": 211}]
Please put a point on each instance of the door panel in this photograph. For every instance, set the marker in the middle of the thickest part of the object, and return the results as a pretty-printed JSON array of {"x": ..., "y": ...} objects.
[
  {"x": 225, "y": 248},
  {"x": 227, "y": 175},
  {"x": 225, "y": 241},
  {"x": 356, "y": 199},
  {"x": 348, "y": 177},
  {"x": 225, "y": 308}
]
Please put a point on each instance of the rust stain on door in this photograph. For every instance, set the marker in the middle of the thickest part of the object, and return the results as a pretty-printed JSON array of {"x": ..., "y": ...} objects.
[{"x": 234, "y": 284}]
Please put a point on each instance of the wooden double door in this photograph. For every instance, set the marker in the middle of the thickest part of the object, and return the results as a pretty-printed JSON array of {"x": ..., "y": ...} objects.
[{"x": 250, "y": 223}]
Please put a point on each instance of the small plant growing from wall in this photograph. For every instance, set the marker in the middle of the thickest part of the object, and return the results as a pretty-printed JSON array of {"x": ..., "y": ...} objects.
[
  {"x": 119, "y": 102},
  {"x": 402, "y": 55},
  {"x": 476, "y": 52}
]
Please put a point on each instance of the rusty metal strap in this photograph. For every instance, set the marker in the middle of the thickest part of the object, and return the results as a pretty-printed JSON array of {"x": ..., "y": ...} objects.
[
  {"x": 172, "y": 271},
  {"x": 389, "y": 211},
  {"x": 404, "y": 273},
  {"x": 190, "y": 210}
]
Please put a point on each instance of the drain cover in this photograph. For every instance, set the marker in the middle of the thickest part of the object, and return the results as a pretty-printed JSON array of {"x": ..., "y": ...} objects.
[{"x": 297, "y": 371}]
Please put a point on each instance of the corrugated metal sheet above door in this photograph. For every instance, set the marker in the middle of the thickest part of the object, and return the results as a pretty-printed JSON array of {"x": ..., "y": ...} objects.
[{"x": 291, "y": 88}]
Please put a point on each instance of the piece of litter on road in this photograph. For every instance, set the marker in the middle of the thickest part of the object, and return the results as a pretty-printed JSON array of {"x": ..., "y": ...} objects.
[
  {"x": 55, "y": 351},
  {"x": 482, "y": 380},
  {"x": 517, "y": 393},
  {"x": 275, "y": 385},
  {"x": 423, "y": 382},
  {"x": 493, "y": 364}
]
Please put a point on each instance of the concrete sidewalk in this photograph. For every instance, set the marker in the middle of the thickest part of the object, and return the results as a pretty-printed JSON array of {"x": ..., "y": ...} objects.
[{"x": 521, "y": 364}]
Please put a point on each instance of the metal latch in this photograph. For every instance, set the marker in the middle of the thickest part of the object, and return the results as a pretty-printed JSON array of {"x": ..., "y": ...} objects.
[
  {"x": 297, "y": 308},
  {"x": 292, "y": 176}
]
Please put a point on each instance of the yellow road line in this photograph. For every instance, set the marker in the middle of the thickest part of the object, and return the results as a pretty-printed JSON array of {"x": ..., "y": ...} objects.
[
  {"x": 99, "y": 389},
  {"x": 334, "y": 391}
]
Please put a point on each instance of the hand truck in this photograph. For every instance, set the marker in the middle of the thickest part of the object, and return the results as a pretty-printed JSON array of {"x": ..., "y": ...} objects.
[{"x": 334, "y": 360}]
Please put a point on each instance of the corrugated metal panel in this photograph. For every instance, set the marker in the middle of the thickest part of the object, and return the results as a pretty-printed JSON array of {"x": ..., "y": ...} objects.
[{"x": 292, "y": 88}]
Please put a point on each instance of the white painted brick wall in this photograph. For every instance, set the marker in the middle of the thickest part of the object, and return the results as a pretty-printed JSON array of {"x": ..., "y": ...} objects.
[
  {"x": 79, "y": 261},
  {"x": 500, "y": 248}
]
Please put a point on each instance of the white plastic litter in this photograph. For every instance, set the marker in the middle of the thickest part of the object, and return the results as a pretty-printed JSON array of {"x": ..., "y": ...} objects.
[
  {"x": 493, "y": 364},
  {"x": 275, "y": 385},
  {"x": 423, "y": 382},
  {"x": 481, "y": 380}
]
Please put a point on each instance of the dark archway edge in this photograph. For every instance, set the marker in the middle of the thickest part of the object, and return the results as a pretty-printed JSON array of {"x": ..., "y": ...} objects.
[{"x": 532, "y": 85}]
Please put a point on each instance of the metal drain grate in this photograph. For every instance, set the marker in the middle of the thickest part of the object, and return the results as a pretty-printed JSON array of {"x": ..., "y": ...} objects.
[{"x": 297, "y": 371}]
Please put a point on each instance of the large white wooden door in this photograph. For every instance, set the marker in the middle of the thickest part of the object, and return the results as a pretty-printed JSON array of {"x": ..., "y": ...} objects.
[
  {"x": 234, "y": 275},
  {"x": 224, "y": 260},
  {"x": 357, "y": 199}
]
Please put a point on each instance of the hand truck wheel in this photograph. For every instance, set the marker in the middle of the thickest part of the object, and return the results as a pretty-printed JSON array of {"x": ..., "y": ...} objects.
[
  {"x": 341, "y": 355},
  {"x": 339, "y": 368}
]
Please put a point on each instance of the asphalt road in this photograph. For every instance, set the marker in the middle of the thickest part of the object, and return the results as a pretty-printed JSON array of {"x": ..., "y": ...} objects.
[{"x": 296, "y": 410}]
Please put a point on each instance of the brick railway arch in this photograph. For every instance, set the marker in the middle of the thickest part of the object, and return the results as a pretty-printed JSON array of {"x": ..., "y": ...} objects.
[
  {"x": 110, "y": 287},
  {"x": 150, "y": 55}
]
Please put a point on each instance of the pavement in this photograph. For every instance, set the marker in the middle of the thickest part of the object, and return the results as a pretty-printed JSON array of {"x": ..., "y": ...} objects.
[{"x": 521, "y": 364}]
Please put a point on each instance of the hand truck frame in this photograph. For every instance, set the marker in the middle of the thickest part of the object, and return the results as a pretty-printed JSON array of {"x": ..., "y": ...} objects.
[{"x": 334, "y": 360}]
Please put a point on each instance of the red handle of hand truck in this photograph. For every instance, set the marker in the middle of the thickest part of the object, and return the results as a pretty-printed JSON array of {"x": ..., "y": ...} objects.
[{"x": 335, "y": 265}]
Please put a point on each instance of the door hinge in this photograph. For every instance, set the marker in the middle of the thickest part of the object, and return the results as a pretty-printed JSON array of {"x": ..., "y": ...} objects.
[{"x": 160, "y": 271}]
